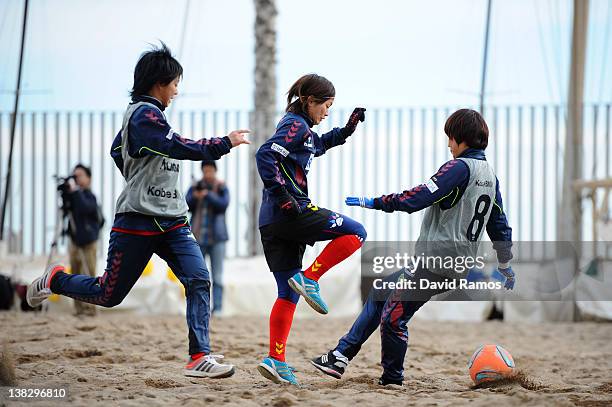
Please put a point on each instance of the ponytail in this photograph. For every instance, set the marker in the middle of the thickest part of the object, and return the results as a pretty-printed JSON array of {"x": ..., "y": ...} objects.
[{"x": 320, "y": 88}]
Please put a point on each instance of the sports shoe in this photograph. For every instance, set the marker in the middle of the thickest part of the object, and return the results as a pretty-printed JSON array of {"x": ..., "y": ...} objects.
[
  {"x": 277, "y": 371},
  {"x": 331, "y": 364},
  {"x": 384, "y": 382},
  {"x": 40, "y": 289},
  {"x": 207, "y": 366},
  {"x": 309, "y": 289}
]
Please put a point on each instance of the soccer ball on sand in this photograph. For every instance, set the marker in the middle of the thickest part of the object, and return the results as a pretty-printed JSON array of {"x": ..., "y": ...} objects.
[{"x": 490, "y": 363}]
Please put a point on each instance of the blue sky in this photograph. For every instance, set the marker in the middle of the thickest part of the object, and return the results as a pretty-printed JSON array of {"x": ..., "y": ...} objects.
[{"x": 80, "y": 54}]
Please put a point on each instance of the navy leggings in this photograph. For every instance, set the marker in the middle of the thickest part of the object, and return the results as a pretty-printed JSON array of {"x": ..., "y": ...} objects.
[
  {"x": 391, "y": 310},
  {"x": 128, "y": 255}
]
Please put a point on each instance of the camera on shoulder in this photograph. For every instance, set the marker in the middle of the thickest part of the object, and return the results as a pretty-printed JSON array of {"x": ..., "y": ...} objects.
[
  {"x": 63, "y": 183},
  {"x": 201, "y": 185},
  {"x": 65, "y": 189}
]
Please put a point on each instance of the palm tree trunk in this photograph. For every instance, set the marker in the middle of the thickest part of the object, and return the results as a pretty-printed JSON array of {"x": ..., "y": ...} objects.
[{"x": 262, "y": 118}]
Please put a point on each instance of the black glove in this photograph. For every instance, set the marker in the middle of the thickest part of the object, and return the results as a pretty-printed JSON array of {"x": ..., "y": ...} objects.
[
  {"x": 288, "y": 204},
  {"x": 357, "y": 116}
]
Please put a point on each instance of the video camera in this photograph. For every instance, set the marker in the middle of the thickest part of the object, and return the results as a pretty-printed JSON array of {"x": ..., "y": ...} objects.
[
  {"x": 64, "y": 188},
  {"x": 201, "y": 185}
]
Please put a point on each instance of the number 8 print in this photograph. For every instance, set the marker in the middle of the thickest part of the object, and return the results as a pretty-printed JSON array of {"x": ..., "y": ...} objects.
[{"x": 479, "y": 216}]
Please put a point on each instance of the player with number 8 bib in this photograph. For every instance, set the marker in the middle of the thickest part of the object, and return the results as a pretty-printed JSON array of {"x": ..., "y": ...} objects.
[{"x": 462, "y": 200}]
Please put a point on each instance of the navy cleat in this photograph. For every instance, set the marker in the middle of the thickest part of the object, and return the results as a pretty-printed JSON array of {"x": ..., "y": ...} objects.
[{"x": 331, "y": 363}]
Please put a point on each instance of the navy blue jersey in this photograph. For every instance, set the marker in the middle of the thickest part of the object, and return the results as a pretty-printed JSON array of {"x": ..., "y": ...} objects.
[
  {"x": 285, "y": 159},
  {"x": 451, "y": 181},
  {"x": 150, "y": 135}
]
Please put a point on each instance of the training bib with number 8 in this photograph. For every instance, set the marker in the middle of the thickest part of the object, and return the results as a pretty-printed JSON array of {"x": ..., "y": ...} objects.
[{"x": 461, "y": 226}]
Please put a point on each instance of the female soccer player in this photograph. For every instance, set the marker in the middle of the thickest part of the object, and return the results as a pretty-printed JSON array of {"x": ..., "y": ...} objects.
[
  {"x": 288, "y": 220},
  {"x": 151, "y": 210},
  {"x": 462, "y": 200}
]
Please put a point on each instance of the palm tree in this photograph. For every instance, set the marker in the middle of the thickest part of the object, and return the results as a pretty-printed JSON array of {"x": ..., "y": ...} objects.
[{"x": 262, "y": 118}]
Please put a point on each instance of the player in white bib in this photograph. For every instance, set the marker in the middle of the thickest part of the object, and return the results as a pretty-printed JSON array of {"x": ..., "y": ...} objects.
[{"x": 151, "y": 211}]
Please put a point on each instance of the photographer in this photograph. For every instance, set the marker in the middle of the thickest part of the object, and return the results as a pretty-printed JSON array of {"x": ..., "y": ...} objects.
[
  {"x": 208, "y": 200},
  {"x": 83, "y": 228}
]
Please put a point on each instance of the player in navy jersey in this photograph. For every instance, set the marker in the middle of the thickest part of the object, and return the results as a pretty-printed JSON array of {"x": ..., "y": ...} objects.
[
  {"x": 288, "y": 220},
  {"x": 151, "y": 211},
  {"x": 462, "y": 200}
]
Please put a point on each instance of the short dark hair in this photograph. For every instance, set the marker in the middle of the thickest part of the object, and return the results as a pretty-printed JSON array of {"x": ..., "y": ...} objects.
[
  {"x": 209, "y": 163},
  {"x": 314, "y": 85},
  {"x": 87, "y": 170},
  {"x": 155, "y": 66},
  {"x": 468, "y": 125}
]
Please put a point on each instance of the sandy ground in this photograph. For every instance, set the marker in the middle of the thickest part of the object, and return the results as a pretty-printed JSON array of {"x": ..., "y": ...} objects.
[{"x": 125, "y": 359}]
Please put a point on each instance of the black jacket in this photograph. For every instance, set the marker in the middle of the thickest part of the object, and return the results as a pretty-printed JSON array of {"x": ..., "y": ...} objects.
[{"x": 84, "y": 208}]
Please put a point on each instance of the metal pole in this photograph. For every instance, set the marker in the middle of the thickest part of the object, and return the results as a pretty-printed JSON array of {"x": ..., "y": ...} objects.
[
  {"x": 33, "y": 186},
  {"x": 13, "y": 123},
  {"x": 21, "y": 181},
  {"x": 170, "y": 112},
  {"x": 570, "y": 219},
  {"x": 545, "y": 145},
  {"x": 484, "y": 58},
  {"x": 44, "y": 183},
  {"x": 236, "y": 198}
]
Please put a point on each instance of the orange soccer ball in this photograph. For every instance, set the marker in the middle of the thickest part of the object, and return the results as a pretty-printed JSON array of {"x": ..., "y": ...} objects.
[{"x": 490, "y": 363}]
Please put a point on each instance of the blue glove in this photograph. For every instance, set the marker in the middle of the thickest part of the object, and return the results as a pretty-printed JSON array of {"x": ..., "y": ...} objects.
[
  {"x": 509, "y": 275},
  {"x": 474, "y": 275},
  {"x": 360, "y": 201}
]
